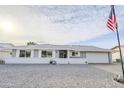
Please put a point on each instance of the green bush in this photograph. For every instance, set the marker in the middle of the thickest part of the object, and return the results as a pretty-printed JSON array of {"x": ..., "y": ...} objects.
[
  {"x": 2, "y": 62},
  {"x": 118, "y": 60}
]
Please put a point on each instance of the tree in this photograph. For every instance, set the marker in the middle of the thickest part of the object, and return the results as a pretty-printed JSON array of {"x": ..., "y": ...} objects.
[{"x": 31, "y": 43}]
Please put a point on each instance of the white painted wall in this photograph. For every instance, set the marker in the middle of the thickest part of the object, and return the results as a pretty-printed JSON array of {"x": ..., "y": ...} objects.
[
  {"x": 4, "y": 54},
  {"x": 91, "y": 57},
  {"x": 116, "y": 55},
  {"x": 97, "y": 57},
  {"x": 15, "y": 60}
]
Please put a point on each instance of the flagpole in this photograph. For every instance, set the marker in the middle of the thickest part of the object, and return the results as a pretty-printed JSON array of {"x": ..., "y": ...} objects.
[{"x": 120, "y": 51}]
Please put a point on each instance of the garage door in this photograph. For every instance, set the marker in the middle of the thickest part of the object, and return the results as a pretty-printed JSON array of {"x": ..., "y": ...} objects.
[{"x": 97, "y": 57}]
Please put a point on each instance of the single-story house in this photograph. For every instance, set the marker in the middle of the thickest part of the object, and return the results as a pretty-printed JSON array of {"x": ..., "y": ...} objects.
[
  {"x": 62, "y": 54},
  {"x": 116, "y": 53}
]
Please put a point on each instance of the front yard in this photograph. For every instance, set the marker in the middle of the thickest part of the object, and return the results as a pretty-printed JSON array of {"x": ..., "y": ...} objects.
[{"x": 55, "y": 76}]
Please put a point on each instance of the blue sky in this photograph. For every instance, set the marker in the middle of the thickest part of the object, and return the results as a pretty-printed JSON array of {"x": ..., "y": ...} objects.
[
  {"x": 105, "y": 41},
  {"x": 81, "y": 25}
]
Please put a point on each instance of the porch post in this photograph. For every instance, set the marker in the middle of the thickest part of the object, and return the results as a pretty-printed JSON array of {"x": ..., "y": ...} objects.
[
  {"x": 32, "y": 53},
  {"x": 17, "y": 53},
  {"x": 53, "y": 53},
  {"x": 39, "y": 53},
  {"x": 68, "y": 54}
]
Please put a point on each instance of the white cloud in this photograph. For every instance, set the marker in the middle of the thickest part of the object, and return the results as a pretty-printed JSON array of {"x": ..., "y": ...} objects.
[{"x": 54, "y": 24}]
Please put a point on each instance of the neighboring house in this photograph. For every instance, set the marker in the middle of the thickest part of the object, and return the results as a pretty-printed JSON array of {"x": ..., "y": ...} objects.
[
  {"x": 62, "y": 54},
  {"x": 116, "y": 53},
  {"x": 4, "y": 51}
]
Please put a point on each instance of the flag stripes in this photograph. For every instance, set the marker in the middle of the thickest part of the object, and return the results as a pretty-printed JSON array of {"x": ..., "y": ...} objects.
[{"x": 111, "y": 23}]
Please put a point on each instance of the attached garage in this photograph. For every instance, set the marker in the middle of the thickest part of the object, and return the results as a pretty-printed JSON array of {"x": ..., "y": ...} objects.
[{"x": 98, "y": 57}]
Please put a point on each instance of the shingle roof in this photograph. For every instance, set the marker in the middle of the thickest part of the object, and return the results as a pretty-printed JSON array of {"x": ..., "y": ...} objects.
[
  {"x": 5, "y": 45},
  {"x": 117, "y": 47},
  {"x": 62, "y": 47}
]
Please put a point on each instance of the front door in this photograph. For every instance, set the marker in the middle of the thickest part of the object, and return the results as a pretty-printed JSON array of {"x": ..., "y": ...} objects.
[{"x": 62, "y": 53}]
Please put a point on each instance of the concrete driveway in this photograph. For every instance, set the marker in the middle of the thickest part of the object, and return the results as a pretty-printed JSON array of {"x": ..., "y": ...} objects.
[
  {"x": 56, "y": 76},
  {"x": 114, "y": 68}
]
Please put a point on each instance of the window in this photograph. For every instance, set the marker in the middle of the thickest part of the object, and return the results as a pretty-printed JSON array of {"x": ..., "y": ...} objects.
[
  {"x": 22, "y": 53},
  {"x": 28, "y": 53},
  {"x": 62, "y": 53},
  {"x": 25, "y": 53},
  {"x": 13, "y": 53},
  {"x": 49, "y": 53},
  {"x": 74, "y": 54},
  {"x": 46, "y": 53}
]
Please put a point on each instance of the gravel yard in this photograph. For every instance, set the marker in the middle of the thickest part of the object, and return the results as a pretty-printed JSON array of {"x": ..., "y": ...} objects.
[{"x": 60, "y": 76}]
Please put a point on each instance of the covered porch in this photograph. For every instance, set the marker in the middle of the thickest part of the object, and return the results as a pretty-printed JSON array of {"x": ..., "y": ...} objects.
[{"x": 35, "y": 56}]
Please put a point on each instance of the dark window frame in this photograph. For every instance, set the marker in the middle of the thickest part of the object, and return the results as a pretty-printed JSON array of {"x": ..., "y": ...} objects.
[
  {"x": 25, "y": 53},
  {"x": 46, "y": 54}
]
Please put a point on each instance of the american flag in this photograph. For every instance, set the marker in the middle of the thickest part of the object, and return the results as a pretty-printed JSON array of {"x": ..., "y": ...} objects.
[{"x": 112, "y": 23}]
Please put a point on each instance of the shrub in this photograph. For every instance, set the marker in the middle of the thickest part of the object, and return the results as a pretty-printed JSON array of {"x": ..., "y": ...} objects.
[
  {"x": 53, "y": 62},
  {"x": 2, "y": 62},
  {"x": 118, "y": 60}
]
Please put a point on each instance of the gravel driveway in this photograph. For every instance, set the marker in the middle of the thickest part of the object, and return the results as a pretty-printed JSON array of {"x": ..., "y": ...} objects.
[{"x": 55, "y": 76}]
